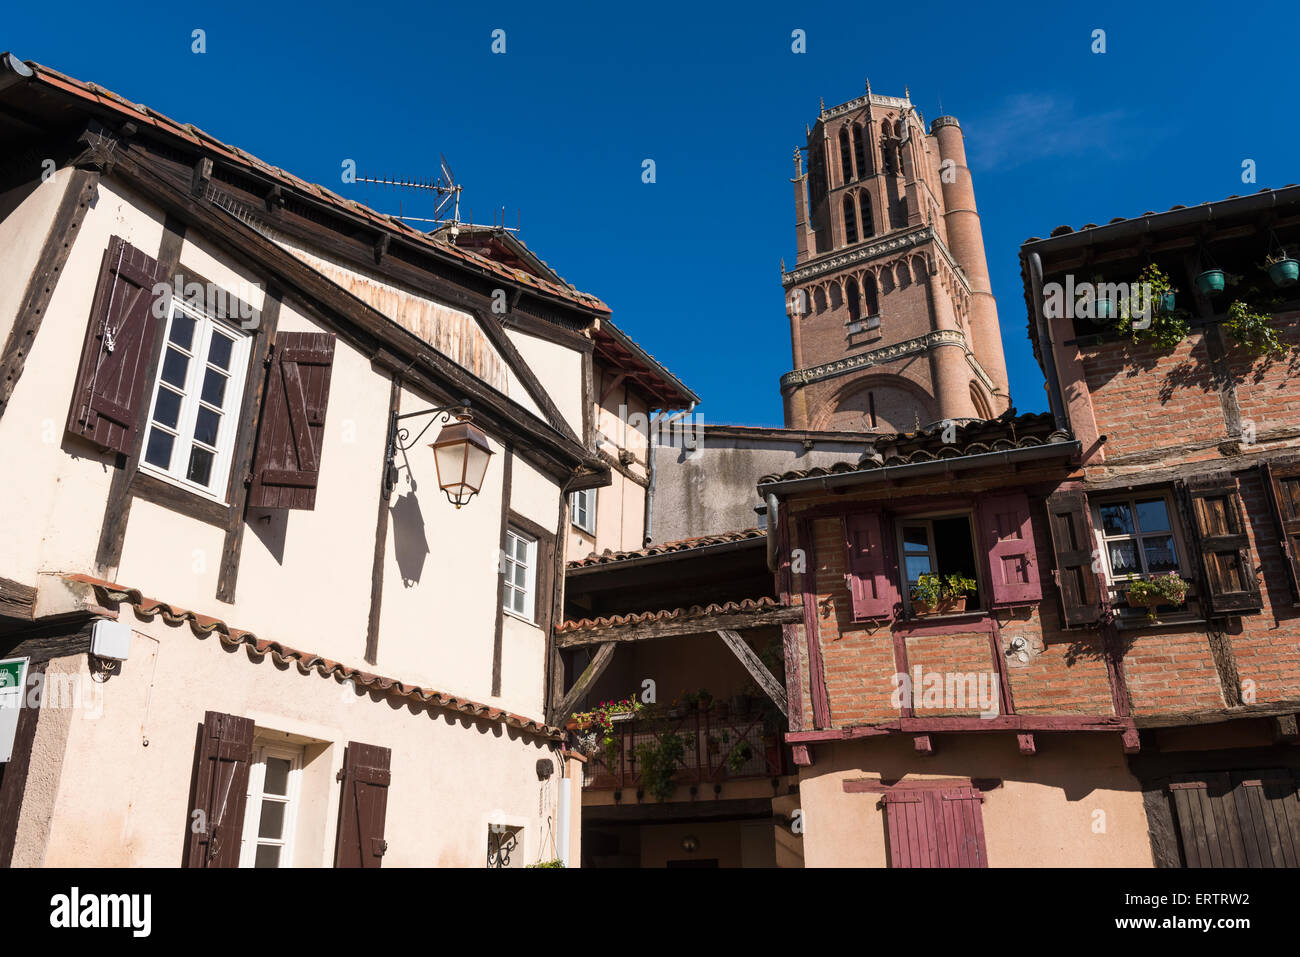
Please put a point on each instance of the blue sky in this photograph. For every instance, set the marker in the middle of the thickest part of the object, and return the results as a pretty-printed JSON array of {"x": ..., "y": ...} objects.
[{"x": 558, "y": 126}]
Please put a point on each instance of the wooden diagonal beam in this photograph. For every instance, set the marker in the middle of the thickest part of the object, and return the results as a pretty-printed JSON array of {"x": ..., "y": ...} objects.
[
  {"x": 757, "y": 670},
  {"x": 580, "y": 687}
]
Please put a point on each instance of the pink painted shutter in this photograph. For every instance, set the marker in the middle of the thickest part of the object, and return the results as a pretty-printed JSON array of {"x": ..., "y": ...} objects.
[
  {"x": 107, "y": 403},
  {"x": 935, "y": 828},
  {"x": 873, "y": 590},
  {"x": 1009, "y": 538}
]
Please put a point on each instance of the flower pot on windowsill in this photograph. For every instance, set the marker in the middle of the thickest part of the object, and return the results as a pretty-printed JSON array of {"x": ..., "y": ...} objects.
[
  {"x": 624, "y": 716},
  {"x": 575, "y": 725},
  {"x": 945, "y": 606},
  {"x": 1151, "y": 604}
]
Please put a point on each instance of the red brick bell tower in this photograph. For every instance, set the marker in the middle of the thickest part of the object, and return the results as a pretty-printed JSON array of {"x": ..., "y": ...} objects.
[{"x": 892, "y": 319}]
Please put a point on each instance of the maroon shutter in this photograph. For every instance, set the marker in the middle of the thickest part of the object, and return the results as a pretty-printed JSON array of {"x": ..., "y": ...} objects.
[
  {"x": 935, "y": 828},
  {"x": 215, "y": 822},
  {"x": 873, "y": 590},
  {"x": 111, "y": 389},
  {"x": 362, "y": 808},
  {"x": 1009, "y": 538},
  {"x": 1072, "y": 541},
  {"x": 1219, "y": 533},
  {"x": 286, "y": 466},
  {"x": 1283, "y": 484}
]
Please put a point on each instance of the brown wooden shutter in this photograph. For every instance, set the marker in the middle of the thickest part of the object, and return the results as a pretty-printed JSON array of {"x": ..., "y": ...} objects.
[
  {"x": 871, "y": 586},
  {"x": 935, "y": 828},
  {"x": 1219, "y": 536},
  {"x": 108, "y": 400},
  {"x": 221, "y": 764},
  {"x": 363, "y": 806},
  {"x": 1009, "y": 538},
  {"x": 1269, "y": 814},
  {"x": 286, "y": 466},
  {"x": 1072, "y": 540},
  {"x": 1207, "y": 820},
  {"x": 1283, "y": 483}
]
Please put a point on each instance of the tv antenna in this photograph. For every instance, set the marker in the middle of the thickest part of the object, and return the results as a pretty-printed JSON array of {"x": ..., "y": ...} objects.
[{"x": 444, "y": 187}]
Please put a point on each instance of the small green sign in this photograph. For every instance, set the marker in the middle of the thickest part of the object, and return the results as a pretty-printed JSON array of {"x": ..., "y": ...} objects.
[{"x": 11, "y": 673}]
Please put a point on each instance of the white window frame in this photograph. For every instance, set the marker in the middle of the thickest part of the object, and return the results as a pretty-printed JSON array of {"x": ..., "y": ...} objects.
[
  {"x": 1131, "y": 500},
  {"x": 928, "y": 520},
  {"x": 587, "y": 498},
  {"x": 510, "y": 562},
  {"x": 191, "y": 402},
  {"x": 253, "y": 807}
]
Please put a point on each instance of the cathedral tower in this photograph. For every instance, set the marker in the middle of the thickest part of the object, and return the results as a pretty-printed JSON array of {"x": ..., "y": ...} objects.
[{"x": 892, "y": 319}]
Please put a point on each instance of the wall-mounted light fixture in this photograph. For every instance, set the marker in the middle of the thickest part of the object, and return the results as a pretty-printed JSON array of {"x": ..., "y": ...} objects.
[
  {"x": 690, "y": 844},
  {"x": 460, "y": 453}
]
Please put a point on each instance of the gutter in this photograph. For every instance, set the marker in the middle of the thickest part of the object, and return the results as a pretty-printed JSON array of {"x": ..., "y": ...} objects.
[
  {"x": 12, "y": 71},
  {"x": 1242, "y": 206},
  {"x": 680, "y": 554},
  {"x": 965, "y": 463}
]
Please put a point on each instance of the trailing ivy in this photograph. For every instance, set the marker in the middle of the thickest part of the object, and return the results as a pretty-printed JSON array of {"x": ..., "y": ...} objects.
[{"x": 1253, "y": 330}]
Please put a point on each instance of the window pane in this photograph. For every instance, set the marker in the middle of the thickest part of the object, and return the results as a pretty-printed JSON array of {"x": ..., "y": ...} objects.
[
  {"x": 917, "y": 565},
  {"x": 167, "y": 409},
  {"x": 268, "y": 855},
  {"x": 219, "y": 350},
  {"x": 271, "y": 823},
  {"x": 214, "y": 387},
  {"x": 1153, "y": 515},
  {"x": 205, "y": 426},
  {"x": 916, "y": 537},
  {"x": 1160, "y": 553},
  {"x": 277, "y": 776},
  {"x": 183, "y": 331},
  {"x": 519, "y": 602},
  {"x": 520, "y": 573},
  {"x": 159, "y": 450},
  {"x": 174, "y": 366},
  {"x": 1124, "y": 558},
  {"x": 200, "y": 469},
  {"x": 1117, "y": 519}
]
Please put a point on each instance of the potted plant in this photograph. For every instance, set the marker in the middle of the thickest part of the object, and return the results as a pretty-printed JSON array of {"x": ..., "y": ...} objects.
[
  {"x": 659, "y": 760},
  {"x": 1154, "y": 592},
  {"x": 1210, "y": 282},
  {"x": 739, "y": 755},
  {"x": 1253, "y": 330},
  {"x": 941, "y": 595},
  {"x": 1283, "y": 269}
]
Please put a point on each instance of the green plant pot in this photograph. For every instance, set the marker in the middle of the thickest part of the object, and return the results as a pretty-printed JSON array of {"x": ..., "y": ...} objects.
[
  {"x": 1284, "y": 273},
  {"x": 1104, "y": 310},
  {"x": 1210, "y": 282},
  {"x": 1167, "y": 302}
]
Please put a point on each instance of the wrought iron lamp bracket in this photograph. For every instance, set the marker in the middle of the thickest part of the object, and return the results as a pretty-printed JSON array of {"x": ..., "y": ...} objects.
[{"x": 400, "y": 440}]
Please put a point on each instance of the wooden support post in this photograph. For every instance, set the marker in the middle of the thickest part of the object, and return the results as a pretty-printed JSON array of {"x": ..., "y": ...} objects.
[
  {"x": 923, "y": 744},
  {"x": 584, "y": 682},
  {"x": 803, "y": 755},
  {"x": 757, "y": 670},
  {"x": 1027, "y": 743}
]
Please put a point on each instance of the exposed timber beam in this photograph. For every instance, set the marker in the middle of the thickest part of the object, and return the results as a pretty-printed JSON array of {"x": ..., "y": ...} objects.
[
  {"x": 757, "y": 670},
  {"x": 584, "y": 683}
]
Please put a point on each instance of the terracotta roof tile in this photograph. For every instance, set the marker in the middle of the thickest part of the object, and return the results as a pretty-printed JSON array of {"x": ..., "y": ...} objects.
[
  {"x": 608, "y": 557},
  {"x": 307, "y": 662},
  {"x": 669, "y": 614},
  {"x": 926, "y": 445},
  {"x": 187, "y": 131}
]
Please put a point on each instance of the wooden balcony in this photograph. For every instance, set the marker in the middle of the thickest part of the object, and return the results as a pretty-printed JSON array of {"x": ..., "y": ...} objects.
[{"x": 715, "y": 749}]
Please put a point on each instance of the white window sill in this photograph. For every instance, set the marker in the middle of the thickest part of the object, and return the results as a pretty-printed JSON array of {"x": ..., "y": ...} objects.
[
  {"x": 197, "y": 490},
  {"x": 518, "y": 617}
]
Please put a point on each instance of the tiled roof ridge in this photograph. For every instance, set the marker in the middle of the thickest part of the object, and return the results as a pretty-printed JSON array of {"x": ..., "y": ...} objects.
[
  {"x": 198, "y": 137},
  {"x": 608, "y": 557},
  {"x": 952, "y": 451},
  {"x": 307, "y": 662},
  {"x": 669, "y": 614}
]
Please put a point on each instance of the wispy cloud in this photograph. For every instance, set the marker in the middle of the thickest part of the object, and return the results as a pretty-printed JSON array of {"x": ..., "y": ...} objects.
[{"x": 1029, "y": 127}]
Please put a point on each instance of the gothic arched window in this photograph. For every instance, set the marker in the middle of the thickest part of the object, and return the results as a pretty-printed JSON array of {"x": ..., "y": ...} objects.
[
  {"x": 868, "y": 222},
  {"x": 854, "y": 300},
  {"x": 860, "y": 149},
  {"x": 850, "y": 221},
  {"x": 869, "y": 295},
  {"x": 846, "y": 157}
]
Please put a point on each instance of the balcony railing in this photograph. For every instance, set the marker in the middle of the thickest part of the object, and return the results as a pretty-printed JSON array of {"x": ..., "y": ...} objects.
[{"x": 717, "y": 749}]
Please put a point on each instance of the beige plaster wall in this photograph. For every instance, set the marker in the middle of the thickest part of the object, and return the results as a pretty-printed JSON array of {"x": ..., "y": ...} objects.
[{"x": 1073, "y": 804}]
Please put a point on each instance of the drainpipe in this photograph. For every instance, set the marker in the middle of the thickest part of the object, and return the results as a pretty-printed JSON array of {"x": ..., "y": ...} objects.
[
  {"x": 772, "y": 557},
  {"x": 1054, "y": 397}
]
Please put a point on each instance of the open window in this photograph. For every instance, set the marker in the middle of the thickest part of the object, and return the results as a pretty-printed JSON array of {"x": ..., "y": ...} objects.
[
  {"x": 274, "y": 788},
  {"x": 940, "y": 545}
]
